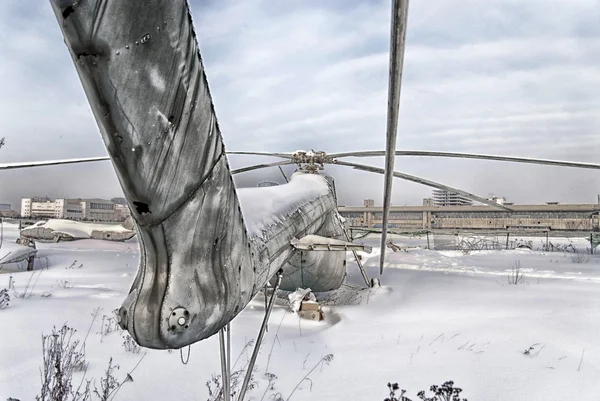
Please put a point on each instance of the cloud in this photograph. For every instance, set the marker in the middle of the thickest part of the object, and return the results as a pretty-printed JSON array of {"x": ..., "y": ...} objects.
[{"x": 504, "y": 77}]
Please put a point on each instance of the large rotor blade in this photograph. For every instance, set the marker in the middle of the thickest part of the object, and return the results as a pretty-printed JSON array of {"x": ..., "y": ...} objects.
[
  {"x": 373, "y": 153},
  {"x": 423, "y": 181},
  {"x": 274, "y": 154},
  {"x": 10, "y": 166},
  {"x": 397, "y": 40},
  {"x": 258, "y": 166}
]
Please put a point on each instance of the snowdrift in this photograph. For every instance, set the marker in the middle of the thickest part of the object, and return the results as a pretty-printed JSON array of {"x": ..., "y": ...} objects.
[{"x": 13, "y": 253}]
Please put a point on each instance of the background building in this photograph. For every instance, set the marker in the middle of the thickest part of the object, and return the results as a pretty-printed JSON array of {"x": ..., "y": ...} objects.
[
  {"x": 567, "y": 217},
  {"x": 447, "y": 198},
  {"x": 122, "y": 212},
  {"x": 40, "y": 208},
  {"x": 98, "y": 210},
  {"x": 119, "y": 201},
  {"x": 74, "y": 209},
  {"x": 6, "y": 210}
]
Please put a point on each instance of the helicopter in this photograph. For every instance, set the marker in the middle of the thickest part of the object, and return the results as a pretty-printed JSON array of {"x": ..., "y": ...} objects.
[
  {"x": 165, "y": 144},
  {"x": 206, "y": 247}
]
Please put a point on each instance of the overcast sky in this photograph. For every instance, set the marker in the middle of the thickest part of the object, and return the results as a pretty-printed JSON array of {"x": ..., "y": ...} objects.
[{"x": 496, "y": 76}]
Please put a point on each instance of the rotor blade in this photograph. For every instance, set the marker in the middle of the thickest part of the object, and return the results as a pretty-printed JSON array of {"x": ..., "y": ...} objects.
[
  {"x": 397, "y": 40},
  {"x": 373, "y": 153},
  {"x": 428, "y": 183},
  {"x": 258, "y": 166},
  {"x": 283, "y": 174},
  {"x": 10, "y": 166},
  {"x": 282, "y": 155}
]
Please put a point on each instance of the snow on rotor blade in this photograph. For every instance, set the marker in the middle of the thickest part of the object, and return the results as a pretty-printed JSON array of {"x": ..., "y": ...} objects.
[
  {"x": 397, "y": 41},
  {"x": 549, "y": 162},
  {"x": 259, "y": 166},
  {"x": 282, "y": 155},
  {"x": 16, "y": 165},
  {"x": 426, "y": 182}
]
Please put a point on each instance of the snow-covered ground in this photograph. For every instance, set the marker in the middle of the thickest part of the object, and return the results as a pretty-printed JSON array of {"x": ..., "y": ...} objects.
[
  {"x": 440, "y": 315},
  {"x": 12, "y": 253}
]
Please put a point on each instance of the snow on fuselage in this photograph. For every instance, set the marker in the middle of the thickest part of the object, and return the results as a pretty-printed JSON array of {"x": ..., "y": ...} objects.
[{"x": 304, "y": 206}]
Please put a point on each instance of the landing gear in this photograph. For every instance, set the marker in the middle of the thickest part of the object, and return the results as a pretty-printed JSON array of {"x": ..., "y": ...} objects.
[
  {"x": 225, "y": 346},
  {"x": 225, "y": 360}
]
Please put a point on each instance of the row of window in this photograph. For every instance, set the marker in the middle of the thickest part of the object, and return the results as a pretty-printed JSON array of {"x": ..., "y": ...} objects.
[{"x": 101, "y": 206}]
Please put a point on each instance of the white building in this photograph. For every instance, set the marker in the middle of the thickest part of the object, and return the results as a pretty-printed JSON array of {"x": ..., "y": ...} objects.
[
  {"x": 98, "y": 209},
  {"x": 74, "y": 209},
  {"x": 122, "y": 212},
  {"x": 40, "y": 208},
  {"x": 447, "y": 198}
]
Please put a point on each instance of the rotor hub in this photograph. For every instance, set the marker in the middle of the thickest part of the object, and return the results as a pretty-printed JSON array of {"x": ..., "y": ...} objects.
[{"x": 311, "y": 161}]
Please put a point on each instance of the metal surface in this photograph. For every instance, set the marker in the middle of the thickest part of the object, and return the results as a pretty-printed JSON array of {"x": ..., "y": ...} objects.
[
  {"x": 259, "y": 166},
  {"x": 423, "y": 181},
  {"x": 283, "y": 174},
  {"x": 179, "y": 320},
  {"x": 224, "y": 366},
  {"x": 330, "y": 247},
  {"x": 228, "y": 351},
  {"x": 374, "y": 153},
  {"x": 320, "y": 271},
  {"x": 331, "y": 158},
  {"x": 397, "y": 41},
  {"x": 15, "y": 165},
  {"x": 274, "y": 154},
  {"x": 316, "y": 243},
  {"x": 140, "y": 67},
  {"x": 150, "y": 98},
  {"x": 259, "y": 339},
  {"x": 358, "y": 260}
]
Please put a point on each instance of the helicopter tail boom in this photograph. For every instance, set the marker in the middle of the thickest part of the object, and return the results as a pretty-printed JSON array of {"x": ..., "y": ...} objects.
[{"x": 141, "y": 70}]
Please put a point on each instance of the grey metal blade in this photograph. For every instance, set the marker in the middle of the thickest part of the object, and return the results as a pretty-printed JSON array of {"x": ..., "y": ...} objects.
[
  {"x": 10, "y": 166},
  {"x": 426, "y": 182},
  {"x": 397, "y": 40},
  {"x": 259, "y": 166},
  {"x": 560, "y": 163},
  {"x": 282, "y": 155}
]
